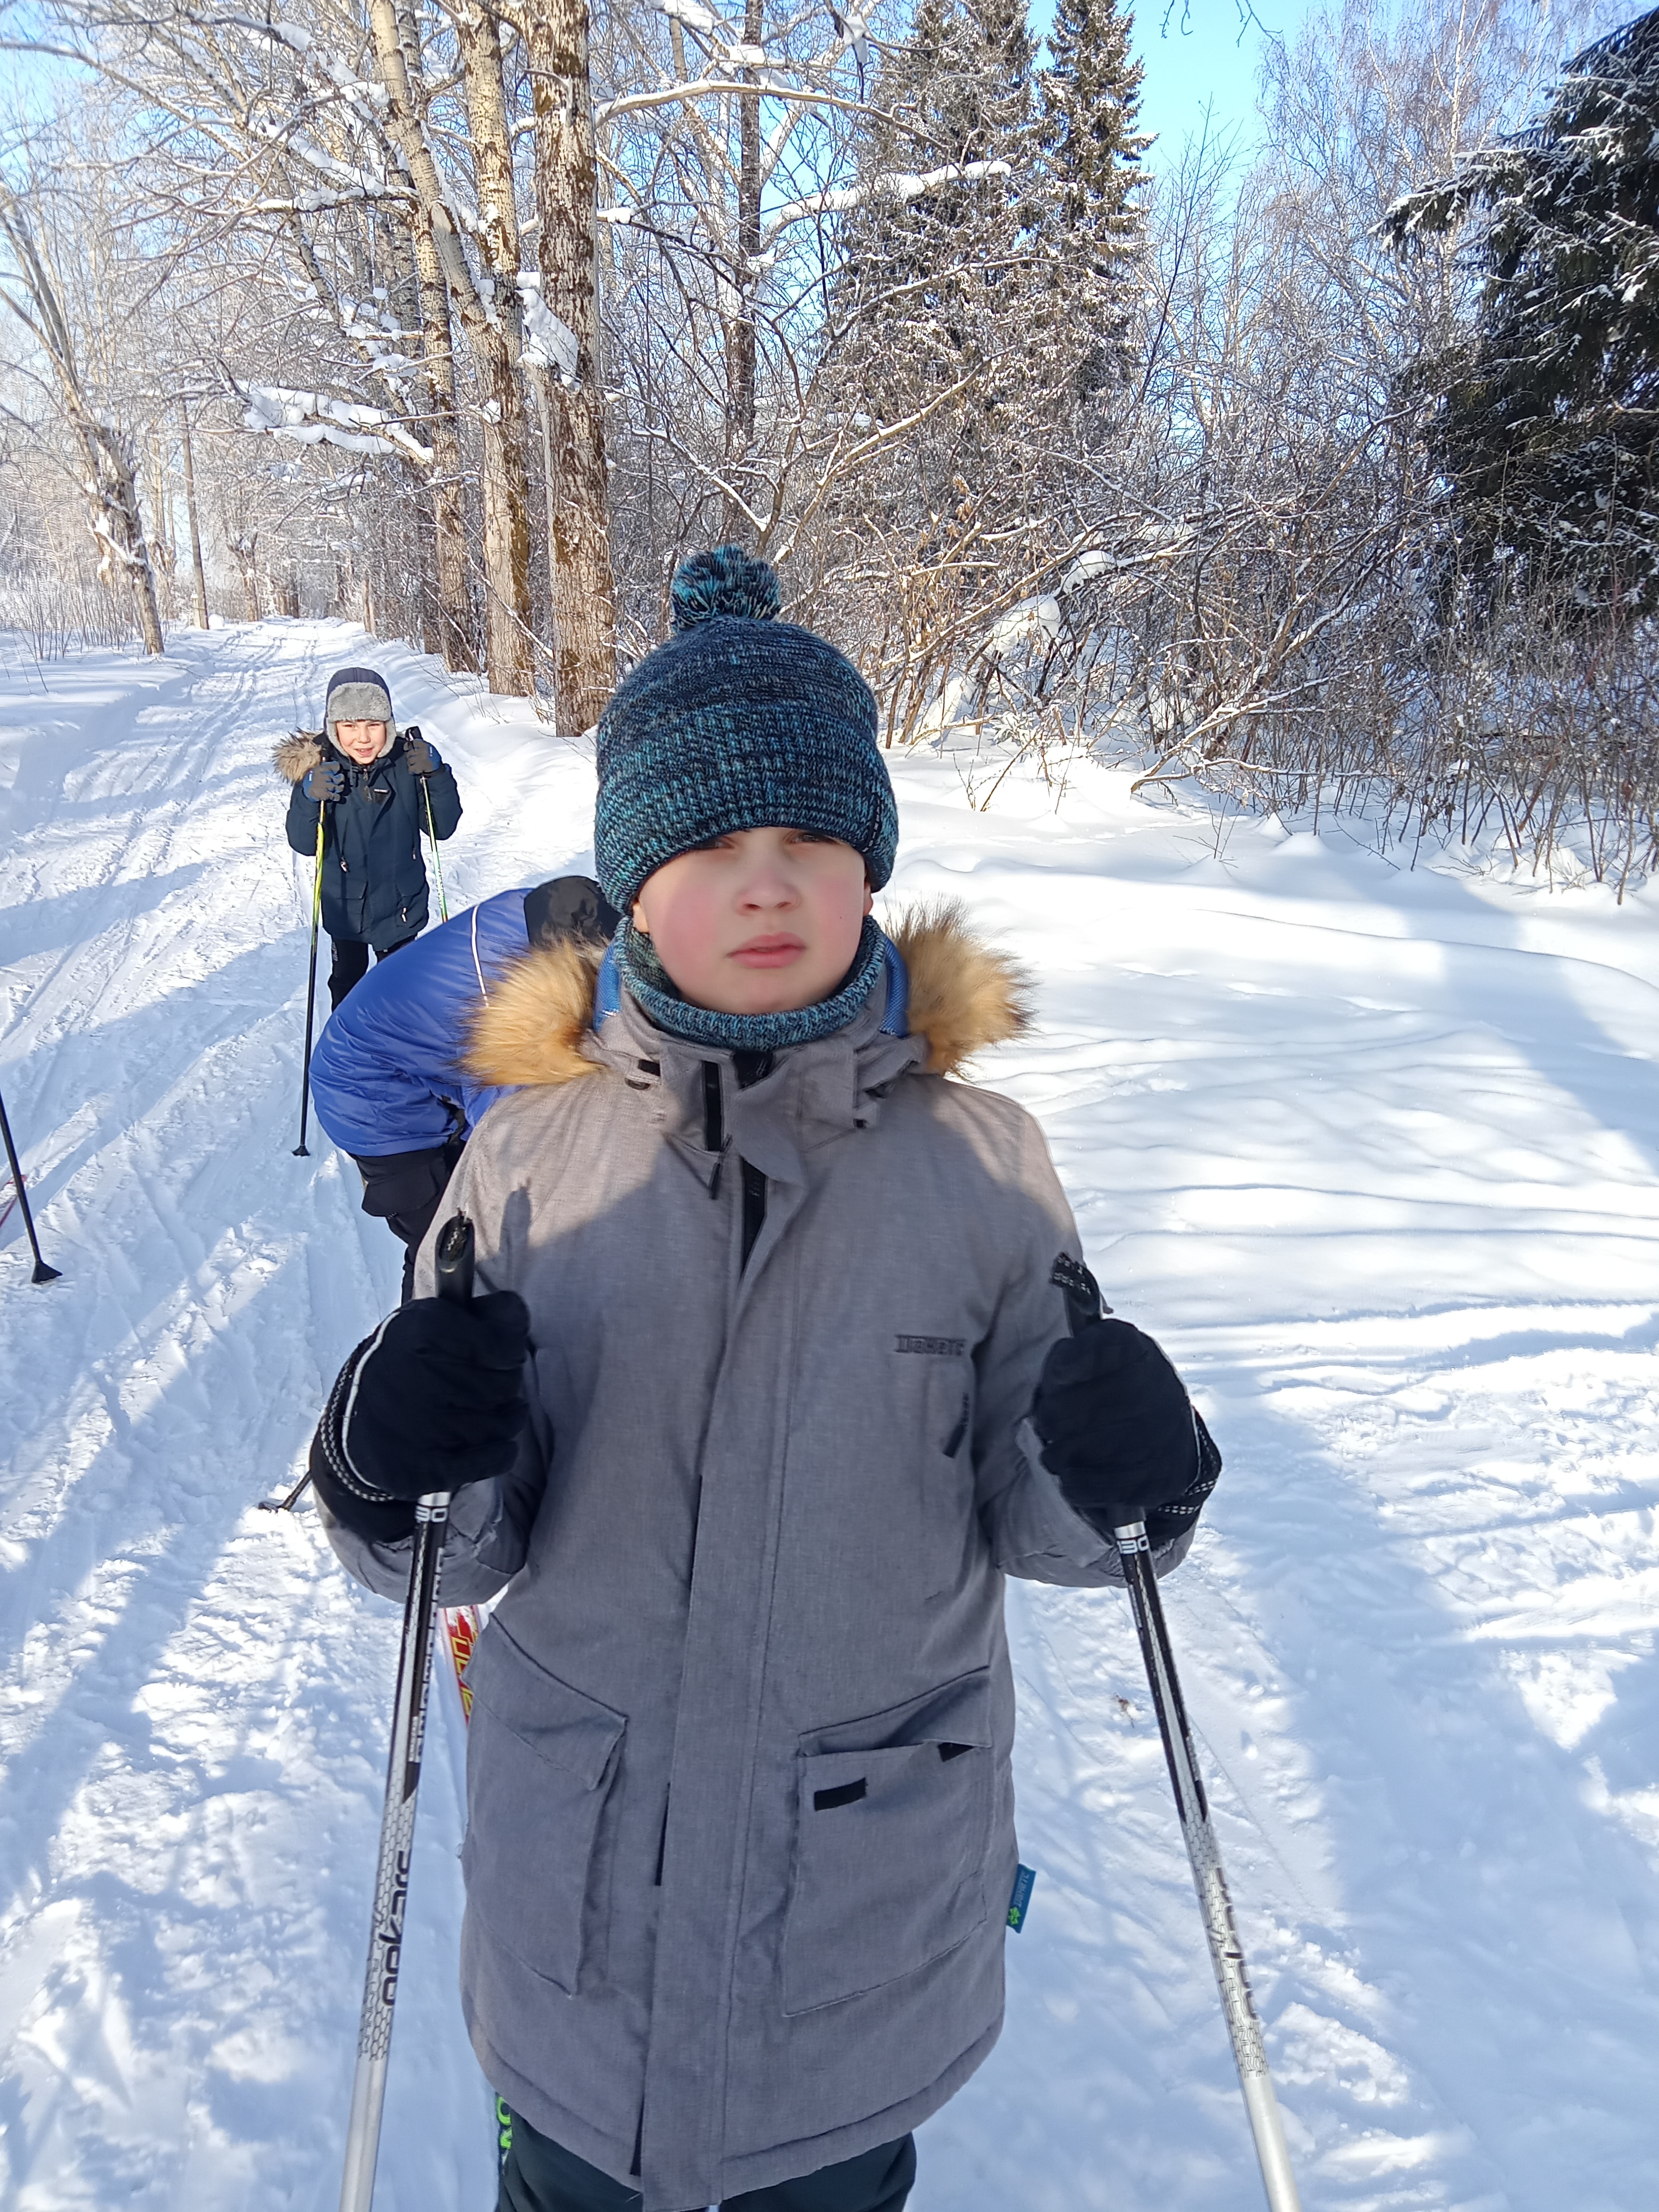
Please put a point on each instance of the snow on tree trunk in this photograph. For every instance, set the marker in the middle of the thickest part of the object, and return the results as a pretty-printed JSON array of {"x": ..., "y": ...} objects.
[{"x": 582, "y": 587}]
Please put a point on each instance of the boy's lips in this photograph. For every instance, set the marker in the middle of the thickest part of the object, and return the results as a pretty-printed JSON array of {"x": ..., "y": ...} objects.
[{"x": 768, "y": 952}]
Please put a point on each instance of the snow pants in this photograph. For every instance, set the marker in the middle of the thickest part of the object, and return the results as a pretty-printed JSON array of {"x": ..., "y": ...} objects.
[
  {"x": 350, "y": 963},
  {"x": 541, "y": 2176}
]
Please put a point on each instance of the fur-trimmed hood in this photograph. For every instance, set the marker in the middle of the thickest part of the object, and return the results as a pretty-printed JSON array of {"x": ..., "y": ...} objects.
[
  {"x": 297, "y": 754},
  {"x": 965, "y": 997}
]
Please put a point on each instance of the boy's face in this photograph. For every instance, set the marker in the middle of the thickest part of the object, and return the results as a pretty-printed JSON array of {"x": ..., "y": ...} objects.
[
  {"x": 360, "y": 741},
  {"x": 758, "y": 921}
]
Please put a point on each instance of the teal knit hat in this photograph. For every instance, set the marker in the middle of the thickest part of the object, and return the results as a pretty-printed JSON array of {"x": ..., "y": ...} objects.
[{"x": 740, "y": 722}]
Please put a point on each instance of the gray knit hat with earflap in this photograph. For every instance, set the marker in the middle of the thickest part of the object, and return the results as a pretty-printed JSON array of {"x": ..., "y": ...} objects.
[
  {"x": 740, "y": 722},
  {"x": 358, "y": 695}
]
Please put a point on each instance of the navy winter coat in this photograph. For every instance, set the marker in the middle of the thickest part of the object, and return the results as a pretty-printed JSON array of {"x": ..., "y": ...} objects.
[{"x": 374, "y": 889}]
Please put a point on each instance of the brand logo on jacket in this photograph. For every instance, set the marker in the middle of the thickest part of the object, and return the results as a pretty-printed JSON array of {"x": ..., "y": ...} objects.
[{"x": 940, "y": 1347}]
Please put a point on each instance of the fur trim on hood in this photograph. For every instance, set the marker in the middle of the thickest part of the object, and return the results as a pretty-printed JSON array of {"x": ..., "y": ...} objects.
[
  {"x": 297, "y": 754},
  {"x": 964, "y": 996}
]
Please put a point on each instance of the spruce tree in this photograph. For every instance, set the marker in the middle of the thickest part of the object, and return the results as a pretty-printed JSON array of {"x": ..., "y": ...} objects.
[
  {"x": 1095, "y": 218},
  {"x": 1546, "y": 426}
]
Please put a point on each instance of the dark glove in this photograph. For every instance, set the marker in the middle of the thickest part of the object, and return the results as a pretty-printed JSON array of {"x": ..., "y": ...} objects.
[
  {"x": 421, "y": 760},
  {"x": 435, "y": 1400},
  {"x": 324, "y": 782},
  {"x": 1118, "y": 1430}
]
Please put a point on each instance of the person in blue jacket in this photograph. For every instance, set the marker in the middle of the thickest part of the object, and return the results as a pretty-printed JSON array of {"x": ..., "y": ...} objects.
[
  {"x": 387, "y": 1080},
  {"x": 372, "y": 784}
]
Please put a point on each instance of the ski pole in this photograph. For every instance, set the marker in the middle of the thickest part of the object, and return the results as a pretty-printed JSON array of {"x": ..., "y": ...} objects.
[
  {"x": 432, "y": 831},
  {"x": 287, "y": 1505},
  {"x": 1192, "y": 1808},
  {"x": 454, "y": 1259},
  {"x": 42, "y": 1273},
  {"x": 300, "y": 1150}
]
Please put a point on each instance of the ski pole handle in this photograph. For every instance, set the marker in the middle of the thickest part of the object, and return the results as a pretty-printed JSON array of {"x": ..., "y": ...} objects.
[{"x": 452, "y": 1259}]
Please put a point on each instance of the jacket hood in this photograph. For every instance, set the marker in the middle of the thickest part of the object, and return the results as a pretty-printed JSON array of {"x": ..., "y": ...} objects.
[
  {"x": 536, "y": 1027},
  {"x": 297, "y": 754}
]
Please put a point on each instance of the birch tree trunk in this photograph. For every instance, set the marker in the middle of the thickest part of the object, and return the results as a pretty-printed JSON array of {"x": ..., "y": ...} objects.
[
  {"x": 505, "y": 471},
  {"x": 491, "y": 326},
  {"x": 110, "y": 484},
  {"x": 582, "y": 586},
  {"x": 197, "y": 572},
  {"x": 740, "y": 349},
  {"x": 443, "y": 430}
]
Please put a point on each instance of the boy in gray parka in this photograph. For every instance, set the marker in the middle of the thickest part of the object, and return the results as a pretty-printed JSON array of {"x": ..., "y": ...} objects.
[{"x": 767, "y": 1388}]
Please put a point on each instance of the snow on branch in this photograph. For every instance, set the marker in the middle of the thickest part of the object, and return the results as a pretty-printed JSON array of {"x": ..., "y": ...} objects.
[
  {"x": 340, "y": 74},
  {"x": 311, "y": 418},
  {"x": 548, "y": 342},
  {"x": 690, "y": 13},
  {"x": 897, "y": 186},
  {"x": 630, "y": 103}
]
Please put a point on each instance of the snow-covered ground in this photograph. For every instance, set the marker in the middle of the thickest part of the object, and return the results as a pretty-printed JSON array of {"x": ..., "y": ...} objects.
[{"x": 1373, "y": 1152}]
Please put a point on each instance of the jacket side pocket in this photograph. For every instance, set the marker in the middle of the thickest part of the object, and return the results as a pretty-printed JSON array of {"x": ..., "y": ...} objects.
[
  {"x": 891, "y": 1843},
  {"x": 541, "y": 1761}
]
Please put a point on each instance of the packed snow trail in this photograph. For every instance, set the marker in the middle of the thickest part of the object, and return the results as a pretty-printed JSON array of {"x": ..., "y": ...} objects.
[{"x": 1374, "y": 1153}]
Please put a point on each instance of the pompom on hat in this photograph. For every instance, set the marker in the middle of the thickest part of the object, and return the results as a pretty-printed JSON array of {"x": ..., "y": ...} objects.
[{"x": 740, "y": 722}]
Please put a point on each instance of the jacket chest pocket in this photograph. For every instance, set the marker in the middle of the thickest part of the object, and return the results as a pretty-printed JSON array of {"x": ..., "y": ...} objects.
[
  {"x": 542, "y": 1760},
  {"x": 891, "y": 1845},
  {"x": 940, "y": 1424}
]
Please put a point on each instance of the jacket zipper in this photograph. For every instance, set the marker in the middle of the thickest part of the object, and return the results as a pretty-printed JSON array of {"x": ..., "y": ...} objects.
[{"x": 713, "y": 1140}]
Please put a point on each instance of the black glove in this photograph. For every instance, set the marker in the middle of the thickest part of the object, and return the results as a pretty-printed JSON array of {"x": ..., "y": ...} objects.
[
  {"x": 324, "y": 782},
  {"x": 435, "y": 1400},
  {"x": 421, "y": 760},
  {"x": 1119, "y": 1432}
]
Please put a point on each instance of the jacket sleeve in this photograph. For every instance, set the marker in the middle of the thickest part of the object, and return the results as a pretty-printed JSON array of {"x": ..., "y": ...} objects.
[
  {"x": 446, "y": 798},
  {"x": 386, "y": 1075},
  {"x": 1032, "y": 1530},
  {"x": 302, "y": 814}
]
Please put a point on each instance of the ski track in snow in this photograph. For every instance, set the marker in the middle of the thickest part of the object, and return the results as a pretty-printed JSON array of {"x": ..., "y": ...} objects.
[{"x": 1373, "y": 1152}]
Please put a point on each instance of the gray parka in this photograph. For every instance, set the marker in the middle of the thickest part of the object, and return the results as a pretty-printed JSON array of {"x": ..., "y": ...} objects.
[{"x": 740, "y": 1836}]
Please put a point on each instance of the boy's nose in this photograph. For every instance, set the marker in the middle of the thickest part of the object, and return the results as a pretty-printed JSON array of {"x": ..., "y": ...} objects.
[{"x": 770, "y": 889}]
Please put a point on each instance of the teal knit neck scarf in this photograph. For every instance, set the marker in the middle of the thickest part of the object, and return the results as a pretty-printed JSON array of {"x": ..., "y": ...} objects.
[{"x": 648, "y": 982}]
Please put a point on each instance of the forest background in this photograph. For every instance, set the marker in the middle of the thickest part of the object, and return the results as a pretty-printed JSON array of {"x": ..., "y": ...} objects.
[{"x": 1309, "y": 463}]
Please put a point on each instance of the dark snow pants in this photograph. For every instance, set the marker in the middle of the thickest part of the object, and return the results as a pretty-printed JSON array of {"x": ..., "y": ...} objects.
[
  {"x": 351, "y": 963},
  {"x": 541, "y": 2176}
]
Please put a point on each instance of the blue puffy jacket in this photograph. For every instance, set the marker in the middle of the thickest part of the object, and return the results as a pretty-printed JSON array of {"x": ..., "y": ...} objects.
[{"x": 387, "y": 1076}]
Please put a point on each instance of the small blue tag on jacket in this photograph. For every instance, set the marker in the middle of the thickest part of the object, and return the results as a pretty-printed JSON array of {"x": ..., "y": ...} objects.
[{"x": 1020, "y": 1902}]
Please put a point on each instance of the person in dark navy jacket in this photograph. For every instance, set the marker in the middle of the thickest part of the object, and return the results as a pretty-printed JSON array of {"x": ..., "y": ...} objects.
[
  {"x": 374, "y": 781},
  {"x": 388, "y": 1080}
]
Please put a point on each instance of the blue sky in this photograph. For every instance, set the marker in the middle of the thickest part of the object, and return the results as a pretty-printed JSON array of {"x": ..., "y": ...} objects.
[
  {"x": 1203, "y": 55},
  {"x": 1197, "y": 53}
]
